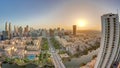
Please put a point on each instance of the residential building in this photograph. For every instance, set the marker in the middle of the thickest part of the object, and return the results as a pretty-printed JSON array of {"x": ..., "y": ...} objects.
[
  {"x": 109, "y": 54},
  {"x": 74, "y": 29}
]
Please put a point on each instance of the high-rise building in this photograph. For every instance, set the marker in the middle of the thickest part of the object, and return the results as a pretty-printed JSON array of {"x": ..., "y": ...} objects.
[
  {"x": 10, "y": 28},
  {"x": 26, "y": 29},
  {"x": 51, "y": 32},
  {"x": 20, "y": 30},
  {"x": 74, "y": 29},
  {"x": 15, "y": 31},
  {"x": 109, "y": 53},
  {"x": 6, "y": 26},
  {"x": 5, "y": 35},
  {"x": 9, "y": 32}
]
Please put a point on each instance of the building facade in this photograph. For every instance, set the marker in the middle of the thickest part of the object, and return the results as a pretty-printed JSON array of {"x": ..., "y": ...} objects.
[
  {"x": 10, "y": 30},
  {"x": 109, "y": 53},
  {"x": 7, "y": 33},
  {"x": 74, "y": 29},
  {"x": 6, "y": 26}
]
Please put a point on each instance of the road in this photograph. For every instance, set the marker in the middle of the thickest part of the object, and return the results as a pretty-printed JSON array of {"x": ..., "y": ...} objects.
[{"x": 55, "y": 57}]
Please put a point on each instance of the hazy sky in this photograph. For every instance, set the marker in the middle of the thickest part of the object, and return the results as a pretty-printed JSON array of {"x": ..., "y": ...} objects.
[{"x": 56, "y": 13}]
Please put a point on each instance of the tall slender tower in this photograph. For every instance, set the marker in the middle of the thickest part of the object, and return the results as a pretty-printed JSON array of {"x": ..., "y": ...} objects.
[
  {"x": 9, "y": 32},
  {"x": 14, "y": 29},
  {"x": 6, "y": 26},
  {"x": 109, "y": 54},
  {"x": 27, "y": 28},
  {"x": 17, "y": 29},
  {"x": 20, "y": 30},
  {"x": 9, "y": 27},
  {"x": 74, "y": 29}
]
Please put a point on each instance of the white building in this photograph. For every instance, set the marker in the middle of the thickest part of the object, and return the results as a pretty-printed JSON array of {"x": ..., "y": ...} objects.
[{"x": 110, "y": 46}]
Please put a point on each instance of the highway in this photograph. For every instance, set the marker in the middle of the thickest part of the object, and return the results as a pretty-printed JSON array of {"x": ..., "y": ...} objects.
[{"x": 55, "y": 57}]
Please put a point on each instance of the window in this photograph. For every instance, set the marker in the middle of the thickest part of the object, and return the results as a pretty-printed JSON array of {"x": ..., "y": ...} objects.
[
  {"x": 108, "y": 19},
  {"x": 110, "y": 15},
  {"x": 114, "y": 19}
]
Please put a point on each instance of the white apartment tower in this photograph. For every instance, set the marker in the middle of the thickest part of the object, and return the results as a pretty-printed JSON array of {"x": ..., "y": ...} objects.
[{"x": 109, "y": 53}]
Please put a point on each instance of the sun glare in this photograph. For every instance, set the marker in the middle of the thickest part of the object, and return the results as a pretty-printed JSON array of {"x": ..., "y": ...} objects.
[{"x": 81, "y": 23}]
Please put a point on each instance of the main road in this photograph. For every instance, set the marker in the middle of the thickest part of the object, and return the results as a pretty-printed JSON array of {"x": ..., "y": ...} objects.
[{"x": 55, "y": 57}]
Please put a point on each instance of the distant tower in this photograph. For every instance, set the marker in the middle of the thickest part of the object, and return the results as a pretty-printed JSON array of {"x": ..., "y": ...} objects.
[
  {"x": 20, "y": 30},
  {"x": 109, "y": 55},
  {"x": 6, "y": 26},
  {"x": 10, "y": 28},
  {"x": 27, "y": 28},
  {"x": 74, "y": 29},
  {"x": 6, "y": 32},
  {"x": 51, "y": 32},
  {"x": 15, "y": 29}
]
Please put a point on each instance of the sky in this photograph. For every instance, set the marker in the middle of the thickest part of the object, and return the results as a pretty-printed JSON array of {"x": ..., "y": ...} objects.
[{"x": 56, "y": 13}]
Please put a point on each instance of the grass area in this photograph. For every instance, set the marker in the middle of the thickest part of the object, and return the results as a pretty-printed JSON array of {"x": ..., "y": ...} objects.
[
  {"x": 55, "y": 43},
  {"x": 44, "y": 45},
  {"x": 17, "y": 60},
  {"x": 44, "y": 57}
]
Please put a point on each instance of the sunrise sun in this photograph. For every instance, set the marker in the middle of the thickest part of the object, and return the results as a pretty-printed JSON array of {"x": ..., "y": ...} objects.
[{"x": 81, "y": 23}]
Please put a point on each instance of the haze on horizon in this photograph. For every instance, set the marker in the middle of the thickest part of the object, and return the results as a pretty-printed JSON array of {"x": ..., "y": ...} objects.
[{"x": 56, "y": 13}]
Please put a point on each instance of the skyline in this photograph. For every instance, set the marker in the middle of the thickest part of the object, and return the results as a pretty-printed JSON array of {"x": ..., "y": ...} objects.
[{"x": 52, "y": 14}]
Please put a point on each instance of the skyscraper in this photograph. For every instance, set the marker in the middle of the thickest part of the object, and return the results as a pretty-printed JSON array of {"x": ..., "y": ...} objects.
[
  {"x": 6, "y": 32},
  {"x": 15, "y": 31},
  {"x": 109, "y": 54},
  {"x": 26, "y": 29},
  {"x": 74, "y": 29},
  {"x": 20, "y": 30},
  {"x": 51, "y": 32},
  {"x": 6, "y": 26},
  {"x": 9, "y": 27}
]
